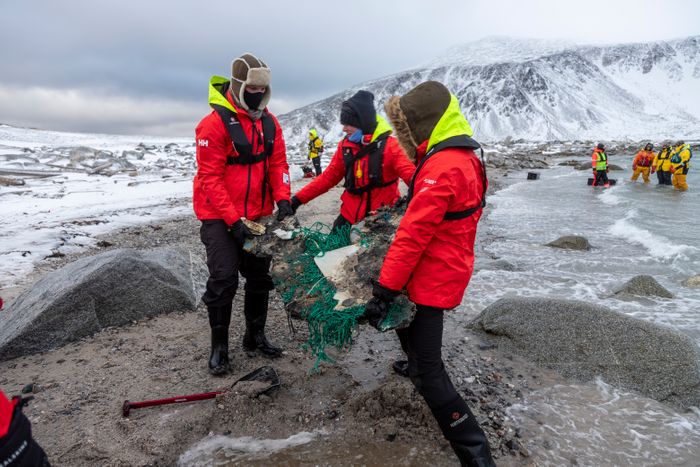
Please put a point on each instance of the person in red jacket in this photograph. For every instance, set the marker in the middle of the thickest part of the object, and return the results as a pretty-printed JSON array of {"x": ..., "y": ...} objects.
[
  {"x": 368, "y": 158},
  {"x": 643, "y": 163},
  {"x": 432, "y": 255},
  {"x": 241, "y": 170},
  {"x": 17, "y": 447}
]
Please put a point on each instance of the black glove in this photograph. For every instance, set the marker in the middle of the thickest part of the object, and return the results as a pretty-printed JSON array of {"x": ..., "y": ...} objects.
[
  {"x": 284, "y": 209},
  {"x": 240, "y": 232},
  {"x": 295, "y": 204},
  {"x": 378, "y": 307}
]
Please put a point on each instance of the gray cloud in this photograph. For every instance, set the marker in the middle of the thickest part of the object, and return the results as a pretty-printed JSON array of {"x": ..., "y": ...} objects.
[
  {"x": 163, "y": 52},
  {"x": 68, "y": 110}
]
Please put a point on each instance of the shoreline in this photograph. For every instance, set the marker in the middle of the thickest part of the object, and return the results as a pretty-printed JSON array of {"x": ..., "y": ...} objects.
[{"x": 80, "y": 387}]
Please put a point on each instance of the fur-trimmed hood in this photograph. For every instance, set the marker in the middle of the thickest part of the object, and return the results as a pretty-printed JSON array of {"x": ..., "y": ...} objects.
[
  {"x": 427, "y": 114},
  {"x": 401, "y": 129}
]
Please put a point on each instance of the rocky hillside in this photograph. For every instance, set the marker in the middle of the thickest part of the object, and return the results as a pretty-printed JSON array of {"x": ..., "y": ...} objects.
[{"x": 543, "y": 91}]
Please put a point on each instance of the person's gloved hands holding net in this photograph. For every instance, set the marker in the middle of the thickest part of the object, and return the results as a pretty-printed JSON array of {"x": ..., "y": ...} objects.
[
  {"x": 295, "y": 204},
  {"x": 284, "y": 209},
  {"x": 240, "y": 232},
  {"x": 377, "y": 308}
]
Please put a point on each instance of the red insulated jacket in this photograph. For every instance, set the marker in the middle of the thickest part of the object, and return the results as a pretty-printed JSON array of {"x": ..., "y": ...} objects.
[
  {"x": 643, "y": 159},
  {"x": 354, "y": 206},
  {"x": 7, "y": 407},
  {"x": 431, "y": 257},
  {"x": 226, "y": 190}
]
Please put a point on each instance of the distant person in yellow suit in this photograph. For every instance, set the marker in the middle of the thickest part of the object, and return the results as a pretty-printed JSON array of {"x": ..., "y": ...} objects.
[
  {"x": 662, "y": 164},
  {"x": 642, "y": 163},
  {"x": 315, "y": 150},
  {"x": 680, "y": 163}
]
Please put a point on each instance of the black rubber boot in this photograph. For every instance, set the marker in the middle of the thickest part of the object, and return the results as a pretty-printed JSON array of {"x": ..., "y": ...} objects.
[
  {"x": 401, "y": 368},
  {"x": 464, "y": 434},
  {"x": 255, "y": 310},
  {"x": 219, "y": 320}
]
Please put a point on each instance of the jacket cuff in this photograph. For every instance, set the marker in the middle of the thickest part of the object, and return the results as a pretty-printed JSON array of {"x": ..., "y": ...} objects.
[
  {"x": 383, "y": 293},
  {"x": 231, "y": 218}
]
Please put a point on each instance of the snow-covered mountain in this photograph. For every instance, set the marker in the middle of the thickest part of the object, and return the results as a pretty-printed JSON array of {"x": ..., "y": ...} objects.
[{"x": 544, "y": 90}]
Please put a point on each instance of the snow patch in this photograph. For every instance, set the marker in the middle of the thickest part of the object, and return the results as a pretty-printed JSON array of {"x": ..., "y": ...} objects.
[{"x": 203, "y": 453}]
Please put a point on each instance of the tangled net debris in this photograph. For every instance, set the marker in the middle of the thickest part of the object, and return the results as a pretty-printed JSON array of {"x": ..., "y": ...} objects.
[{"x": 311, "y": 296}]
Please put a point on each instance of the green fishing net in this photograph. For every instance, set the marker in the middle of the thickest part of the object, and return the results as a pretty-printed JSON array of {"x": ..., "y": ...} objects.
[{"x": 304, "y": 288}]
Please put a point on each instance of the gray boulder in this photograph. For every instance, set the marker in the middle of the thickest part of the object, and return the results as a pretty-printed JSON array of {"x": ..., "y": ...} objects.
[
  {"x": 583, "y": 341},
  {"x": 645, "y": 286},
  {"x": 589, "y": 166},
  {"x": 571, "y": 163},
  {"x": 495, "y": 265},
  {"x": 108, "y": 289},
  {"x": 571, "y": 242}
]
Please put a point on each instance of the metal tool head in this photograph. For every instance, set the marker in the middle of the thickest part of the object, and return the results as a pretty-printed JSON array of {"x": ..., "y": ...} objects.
[
  {"x": 126, "y": 408},
  {"x": 265, "y": 374}
]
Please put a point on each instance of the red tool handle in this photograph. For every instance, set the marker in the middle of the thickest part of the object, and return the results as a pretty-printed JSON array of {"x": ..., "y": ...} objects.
[{"x": 170, "y": 400}]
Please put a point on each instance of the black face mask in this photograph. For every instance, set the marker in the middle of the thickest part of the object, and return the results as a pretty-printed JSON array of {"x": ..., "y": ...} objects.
[{"x": 253, "y": 99}]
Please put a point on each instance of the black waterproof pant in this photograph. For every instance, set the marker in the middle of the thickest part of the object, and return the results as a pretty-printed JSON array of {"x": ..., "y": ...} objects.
[
  {"x": 225, "y": 258},
  {"x": 422, "y": 343},
  {"x": 664, "y": 177},
  {"x": 317, "y": 165},
  {"x": 600, "y": 178}
]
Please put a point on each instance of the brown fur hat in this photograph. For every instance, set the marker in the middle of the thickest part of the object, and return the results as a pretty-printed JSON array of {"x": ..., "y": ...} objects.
[
  {"x": 415, "y": 114},
  {"x": 248, "y": 70}
]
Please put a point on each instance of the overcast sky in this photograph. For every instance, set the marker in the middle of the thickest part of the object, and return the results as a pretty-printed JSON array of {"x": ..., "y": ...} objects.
[{"x": 142, "y": 67}]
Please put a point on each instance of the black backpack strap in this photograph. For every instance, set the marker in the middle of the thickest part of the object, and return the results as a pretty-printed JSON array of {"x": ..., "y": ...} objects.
[
  {"x": 349, "y": 161},
  {"x": 457, "y": 215},
  {"x": 269, "y": 132},
  {"x": 241, "y": 144},
  {"x": 378, "y": 143},
  {"x": 233, "y": 126},
  {"x": 375, "y": 168},
  {"x": 376, "y": 163},
  {"x": 461, "y": 141}
]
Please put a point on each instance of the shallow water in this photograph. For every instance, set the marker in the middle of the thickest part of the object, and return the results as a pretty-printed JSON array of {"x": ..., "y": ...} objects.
[
  {"x": 634, "y": 229},
  {"x": 597, "y": 425}
]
